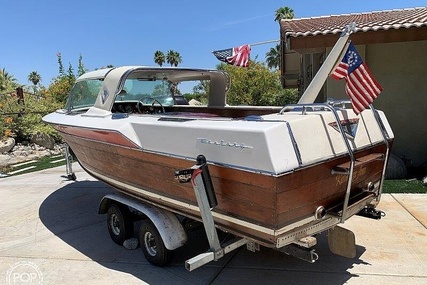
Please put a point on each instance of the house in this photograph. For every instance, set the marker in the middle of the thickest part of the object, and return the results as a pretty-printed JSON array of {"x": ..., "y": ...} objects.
[{"x": 392, "y": 43}]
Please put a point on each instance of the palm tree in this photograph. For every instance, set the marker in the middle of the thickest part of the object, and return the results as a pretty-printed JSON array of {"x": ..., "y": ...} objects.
[
  {"x": 177, "y": 58},
  {"x": 173, "y": 58},
  {"x": 284, "y": 13},
  {"x": 159, "y": 57},
  {"x": 7, "y": 81},
  {"x": 34, "y": 77},
  {"x": 272, "y": 57}
]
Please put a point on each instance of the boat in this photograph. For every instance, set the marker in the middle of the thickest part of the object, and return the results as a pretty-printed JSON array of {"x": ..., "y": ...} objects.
[{"x": 279, "y": 174}]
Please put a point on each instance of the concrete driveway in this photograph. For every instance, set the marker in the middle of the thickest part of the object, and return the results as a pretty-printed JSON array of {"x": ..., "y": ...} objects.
[{"x": 51, "y": 234}]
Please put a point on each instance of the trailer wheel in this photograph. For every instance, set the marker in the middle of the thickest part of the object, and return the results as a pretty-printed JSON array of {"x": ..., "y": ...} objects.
[
  {"x": 152, "y": 245},
  {"x": 119, "y": 222}
]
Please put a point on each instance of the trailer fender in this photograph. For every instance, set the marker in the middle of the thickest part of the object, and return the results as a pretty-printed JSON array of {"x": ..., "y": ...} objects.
[{"x": 168, "y": 225}]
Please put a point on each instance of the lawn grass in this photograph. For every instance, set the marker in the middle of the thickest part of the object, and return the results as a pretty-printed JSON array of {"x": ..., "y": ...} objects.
[
  {"x": 404, "y": 186},
  {"x": 49, "y": 162},
  {"x": 40, "y": 164}
]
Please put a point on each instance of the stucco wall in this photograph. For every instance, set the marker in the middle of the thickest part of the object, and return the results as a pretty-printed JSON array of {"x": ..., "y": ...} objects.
[{"x": 401, "y": 68}]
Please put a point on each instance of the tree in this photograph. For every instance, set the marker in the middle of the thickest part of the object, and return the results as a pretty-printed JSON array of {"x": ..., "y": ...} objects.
[
  {"x": 178, "y": 58},
  {"x": 256, "y": 85},
  {"x": 272, "y": 57},
  {"x": 34, "y": 77},
  {"x": 81, "y": 68},
  {"x": 8, "y": 82},
  {"x": 70, "y": 72},
  {"x": 60, "y": 65},
  {"x": 159, "y": 58},
  {"x": 200, "y": 92},
  {"x": 30, "y": 122},
  {"x": 173, "y": 58},
  {"x": 59, "y": 89},
  {"x": 284, "y": 13}
]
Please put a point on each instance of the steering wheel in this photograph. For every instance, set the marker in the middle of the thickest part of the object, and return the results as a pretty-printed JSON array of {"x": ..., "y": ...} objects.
[{"x": 152, "y": 108}]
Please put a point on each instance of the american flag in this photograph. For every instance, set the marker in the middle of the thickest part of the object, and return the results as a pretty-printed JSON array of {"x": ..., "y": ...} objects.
[
  {"x": 361, "y": 86},
  {"x": 238, "y": 56}
]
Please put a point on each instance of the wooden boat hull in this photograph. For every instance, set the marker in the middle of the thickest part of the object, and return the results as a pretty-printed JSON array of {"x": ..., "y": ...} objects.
[{"x": 259, "y": 206}]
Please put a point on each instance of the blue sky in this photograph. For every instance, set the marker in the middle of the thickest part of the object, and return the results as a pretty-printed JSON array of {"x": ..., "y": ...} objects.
[{"x": 128, "y": 32}]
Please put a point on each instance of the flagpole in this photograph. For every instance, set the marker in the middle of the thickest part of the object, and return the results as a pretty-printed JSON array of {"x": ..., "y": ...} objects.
[
  {"x": 264, "y": 42},
  {"x": 260, "y": 43},
  {"x": 319, "y": 79}
]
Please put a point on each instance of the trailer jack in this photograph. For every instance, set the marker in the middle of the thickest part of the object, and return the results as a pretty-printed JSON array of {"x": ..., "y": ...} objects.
[{"x": 68, "y": 163}]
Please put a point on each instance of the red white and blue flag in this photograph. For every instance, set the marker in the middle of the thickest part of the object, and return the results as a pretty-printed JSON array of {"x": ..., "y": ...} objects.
[
  {"x": 361, "y": 86},
  {"x": 238, "y": 56}
]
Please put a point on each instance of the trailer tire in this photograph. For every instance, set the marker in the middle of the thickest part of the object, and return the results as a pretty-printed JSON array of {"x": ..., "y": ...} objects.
[
  {"x": 152, "y": 245},
  {"x": 119, "y": 223}
]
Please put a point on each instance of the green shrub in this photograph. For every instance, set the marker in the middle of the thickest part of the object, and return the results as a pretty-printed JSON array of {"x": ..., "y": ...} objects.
[
  {"x": 31, "y": 122},
  {"x": 23, "y": 120},
  {"x": 8, "y": 114}
]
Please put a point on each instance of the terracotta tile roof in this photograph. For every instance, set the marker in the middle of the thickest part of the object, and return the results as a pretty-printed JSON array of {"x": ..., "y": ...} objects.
[{"x": 371, "y": 21}]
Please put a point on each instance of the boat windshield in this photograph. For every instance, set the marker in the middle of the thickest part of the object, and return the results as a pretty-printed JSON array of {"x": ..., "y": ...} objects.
[
  {"x": 147, "y": 90},
  {"x": 83, "y": 94}
]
